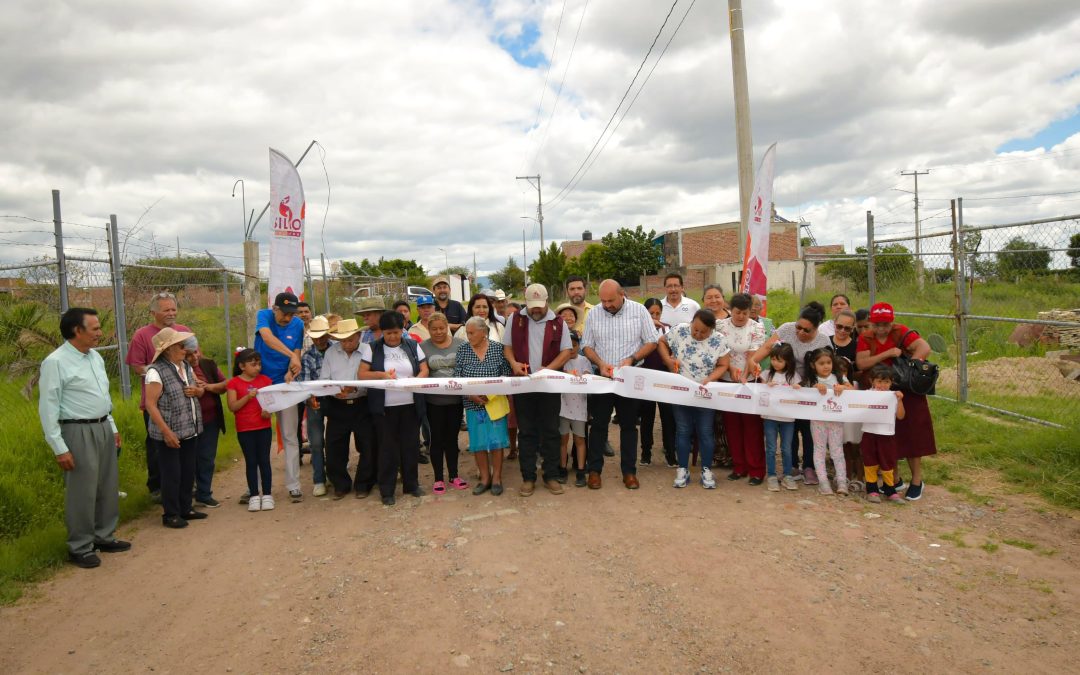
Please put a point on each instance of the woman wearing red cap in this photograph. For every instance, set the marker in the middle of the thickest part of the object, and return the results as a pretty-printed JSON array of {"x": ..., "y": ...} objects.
[{"x": 915, "y": 433}]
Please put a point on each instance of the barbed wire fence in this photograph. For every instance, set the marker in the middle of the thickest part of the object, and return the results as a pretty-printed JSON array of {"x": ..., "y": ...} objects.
[{"x": 998, "y": 303}]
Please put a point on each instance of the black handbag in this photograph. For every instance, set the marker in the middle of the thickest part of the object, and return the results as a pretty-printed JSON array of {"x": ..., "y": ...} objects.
[{"x": 914, "y": 375}]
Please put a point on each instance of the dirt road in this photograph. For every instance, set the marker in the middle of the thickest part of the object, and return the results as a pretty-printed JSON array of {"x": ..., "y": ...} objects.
[{"x": 736, "y": 579}]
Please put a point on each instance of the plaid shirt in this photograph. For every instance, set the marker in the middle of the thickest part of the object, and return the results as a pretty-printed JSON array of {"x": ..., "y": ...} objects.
[
  {"x": 311, "y": 364},
  {"x": 618, "y": 336}
]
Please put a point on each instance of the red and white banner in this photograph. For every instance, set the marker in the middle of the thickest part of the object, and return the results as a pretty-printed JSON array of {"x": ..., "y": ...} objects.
[
  {"x": 755, "y": 278},
  {"x": 286, "y": 228}
]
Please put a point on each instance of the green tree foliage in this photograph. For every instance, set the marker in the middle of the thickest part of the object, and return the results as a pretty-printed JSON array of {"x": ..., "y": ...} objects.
[
  {"x": 632, "y": 253},
  {"x": 409, "y": 270},
  {"x": 1020, "y": 256},
  {"x": 511, "y": 278},
  {"x": 459, "y": 270},
  {"x": 593, "y": 264},
  {"x": 549, "y": 267},
  {"x": 1074, "y": 251},
  {"x": 175, "y": 277},
  {"x": 893, "y": 265}
]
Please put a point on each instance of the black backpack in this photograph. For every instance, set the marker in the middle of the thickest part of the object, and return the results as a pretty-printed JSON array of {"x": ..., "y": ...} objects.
[{"x": 914, "y": 375}]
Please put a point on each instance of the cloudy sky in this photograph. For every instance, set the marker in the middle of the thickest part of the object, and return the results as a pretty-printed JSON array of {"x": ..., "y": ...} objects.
[{"x": 426, "y": 110}]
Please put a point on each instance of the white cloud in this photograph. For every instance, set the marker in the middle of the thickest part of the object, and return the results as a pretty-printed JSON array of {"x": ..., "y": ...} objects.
[{"x": 426, "y": 120}]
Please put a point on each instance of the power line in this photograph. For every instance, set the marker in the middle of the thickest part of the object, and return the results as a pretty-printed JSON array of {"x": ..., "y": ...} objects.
[
  {"x": 633, "y": 100},
  {"x": 558, "y": 94},
  {"x": 616, "y": 111},
  {"x": 543, "y": 89}
]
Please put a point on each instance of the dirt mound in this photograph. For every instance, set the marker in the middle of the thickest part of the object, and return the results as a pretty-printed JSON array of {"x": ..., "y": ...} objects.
[{"x": 1020, "y": 376}]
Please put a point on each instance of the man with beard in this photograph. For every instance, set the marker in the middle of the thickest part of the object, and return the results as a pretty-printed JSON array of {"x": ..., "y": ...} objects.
[
  {"x": 575, "y": 292},
  {"x": 452, "y": 309}
]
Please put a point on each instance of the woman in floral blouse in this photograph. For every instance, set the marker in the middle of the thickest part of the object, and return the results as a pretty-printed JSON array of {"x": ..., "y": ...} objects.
[{"x": 745, "y": 434}]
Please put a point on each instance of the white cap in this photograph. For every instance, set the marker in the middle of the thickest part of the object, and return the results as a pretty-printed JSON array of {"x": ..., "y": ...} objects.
[{"x": 536, "y": 295}]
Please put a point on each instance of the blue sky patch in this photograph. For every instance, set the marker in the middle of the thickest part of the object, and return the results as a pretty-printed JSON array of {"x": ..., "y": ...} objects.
[
  {"x": 522, "y": 46},
  {"x": 1050, "y": 136}
]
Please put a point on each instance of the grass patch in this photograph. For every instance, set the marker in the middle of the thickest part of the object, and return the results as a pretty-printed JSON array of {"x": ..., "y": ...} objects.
[
  {"x": 1019, "y": 543},
  {"x": 32, "y": 532},
  {"x": 956, "y": 538},
  {"x": 989, "y": 546}
]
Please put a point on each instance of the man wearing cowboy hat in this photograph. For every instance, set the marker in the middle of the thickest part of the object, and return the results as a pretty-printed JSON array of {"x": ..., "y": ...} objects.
[
  {"x": 347, "y": 416},
  {"x": 369, "y": 311},
  {"x": 452, "y": 309},
  {"x": 279, "y": 335},
  {"x": 75, "y": 409},
  {"x": 311, "y": 362}
]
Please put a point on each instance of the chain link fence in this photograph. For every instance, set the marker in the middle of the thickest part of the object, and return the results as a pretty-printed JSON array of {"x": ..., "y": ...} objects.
[{"x": 998, "y": 303}]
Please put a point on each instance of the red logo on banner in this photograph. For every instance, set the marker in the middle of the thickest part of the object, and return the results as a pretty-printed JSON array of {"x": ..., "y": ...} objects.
[{"x": 285, "y": 225}]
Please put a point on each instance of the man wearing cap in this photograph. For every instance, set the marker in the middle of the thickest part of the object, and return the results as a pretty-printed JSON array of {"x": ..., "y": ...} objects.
[
  {"x": 425, "y": 307},
  {"x": 500, "y": 305},
  {"x": 454, "y": 311},
  {"x": 620, "y": 334},
  {"x": 347, "y": 416},
  {"x": 75, "y": 409},
  {"x": 575, "y": 292},
  {"x": 311, "y": 362},
  {"x": 163, "y": 310},
  {"x": 537, "y": 339},
  {"x": 279, "y": 335}
]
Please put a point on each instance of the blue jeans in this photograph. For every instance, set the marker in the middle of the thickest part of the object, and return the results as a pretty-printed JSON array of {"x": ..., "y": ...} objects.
[
  {"x": 786, "y": 431},
  {"x": 205, "y": 455},
  {"x": 316, "y": 433},
  {"x": 690, "y": 421}
]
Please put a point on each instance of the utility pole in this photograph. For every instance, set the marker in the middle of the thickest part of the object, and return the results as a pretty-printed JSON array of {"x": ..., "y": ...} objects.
[
  {"x": 918, "y": 226},
  {"x": 524, "y": 260},
  {"x": 539, "y": 203},
  {"x": 744, "y": 146}
]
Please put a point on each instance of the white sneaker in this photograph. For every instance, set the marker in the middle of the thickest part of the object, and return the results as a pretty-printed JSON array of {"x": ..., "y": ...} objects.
[
  {"x": 773, "y": 483},
  {"x": 682, "y": 477},
  {"x": 267, "y": 503},
  {"x": 254, "y": 503},
  {"x": 319, "y": 490},
  {"x": 790, "y": 484},
  {"x": 707, "y": 480}
]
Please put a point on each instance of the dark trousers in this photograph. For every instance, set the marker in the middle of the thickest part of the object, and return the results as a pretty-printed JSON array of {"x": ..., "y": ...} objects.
[
  {"x": 399, "y": 448},
  {"x": 256, "y": 448},
  {"x": 805, "y": 440},
  {"x": 600, "y": 407},
  {"x": 205, "y": 456},
  {"x": 345, "y": 422},
  {"x": 153, "y": 472},
  {"x": 647, "y": 415},
  {"x": 177, "y": 470},
  {"x": 538, "y": 433},
  {"x": 445, "y": 421}
]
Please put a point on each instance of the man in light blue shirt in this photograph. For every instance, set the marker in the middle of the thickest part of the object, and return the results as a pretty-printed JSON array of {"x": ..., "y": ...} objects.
[{"x": 75, "y": 409}]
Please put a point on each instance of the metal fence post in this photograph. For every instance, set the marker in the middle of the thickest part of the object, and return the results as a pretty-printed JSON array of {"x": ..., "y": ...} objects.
[
  {"x": 962, "y": 312},
  {"x": 871, "y": 280},
  {"x": 118, "y": 301},
  {"x": 252, "y": 292},
  {"x": 61, "y": 262},
  {"x": 309, "y": 297},
  {"x": 325, "y": 284},
  {"x": 228, "y": 319},
  {"x": 802, "y": 288}
]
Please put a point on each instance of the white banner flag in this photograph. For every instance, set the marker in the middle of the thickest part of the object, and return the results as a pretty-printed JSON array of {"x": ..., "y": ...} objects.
[
  {"x": 286, "y": 228},
  {"x": 755, "y": 279},
  {"x": 641, "y": 383}
]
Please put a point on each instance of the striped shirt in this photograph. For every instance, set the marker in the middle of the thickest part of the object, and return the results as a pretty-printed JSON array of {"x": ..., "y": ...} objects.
[{"x": 619, "y": 336}]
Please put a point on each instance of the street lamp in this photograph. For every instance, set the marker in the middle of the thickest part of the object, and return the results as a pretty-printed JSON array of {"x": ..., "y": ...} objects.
[{"x": 446, "y": 261}]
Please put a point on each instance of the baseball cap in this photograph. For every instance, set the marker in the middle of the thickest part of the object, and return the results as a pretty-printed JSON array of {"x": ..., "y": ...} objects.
[
  {"x": 536, "y": 295},
  {"x": 425, "y": 300},
  {"x": 882, "y": 312},
  {"x": 286, "y": 302},
  {"x": 439, "y": 280}
]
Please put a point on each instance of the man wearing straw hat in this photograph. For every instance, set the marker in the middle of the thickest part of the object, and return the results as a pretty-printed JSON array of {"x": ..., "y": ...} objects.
[
  {"x": 75, "y": 409},
  {"x": 311, "y": 362},
  {"x": 348, "y": 416},
  {"x": 279, "y": 335}
]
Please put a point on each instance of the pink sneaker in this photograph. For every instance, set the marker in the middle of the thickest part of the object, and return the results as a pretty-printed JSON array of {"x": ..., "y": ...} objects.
[
  {"x": 809, "y": 476},
  {"x": 460, "y": 484},
  {"x": 896, "y": 499},
  {"x": 439, "y": 488}
]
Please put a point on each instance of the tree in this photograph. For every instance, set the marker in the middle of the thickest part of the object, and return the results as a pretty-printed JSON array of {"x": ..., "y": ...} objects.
[
  {"x": 1074, "y": 250},
  {"x": 409, "y": 270},
  {"x": 459, "y": 270},
  {"x": 593, "y": 264},
  {"x": 893, "y": 265},
  {"x": 173, "y": 278},
  {"x": 1020, "y": 256},
  {"x": 632, "y": 253},
  {"x": 549, "y": 267},
  {"x": 510, "y": 278}
]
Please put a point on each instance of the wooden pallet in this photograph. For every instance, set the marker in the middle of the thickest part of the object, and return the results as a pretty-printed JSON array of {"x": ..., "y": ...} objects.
[{"x": 1067, "y": 337}]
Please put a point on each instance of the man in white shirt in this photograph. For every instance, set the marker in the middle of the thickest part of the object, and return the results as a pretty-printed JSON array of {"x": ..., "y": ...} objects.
[{"x": 677, "y": 308}]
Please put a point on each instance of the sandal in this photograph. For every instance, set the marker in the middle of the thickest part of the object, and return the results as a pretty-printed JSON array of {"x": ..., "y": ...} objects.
[
  {"x": 459, "y": 483},
  {"x": 439, "y": 488}
]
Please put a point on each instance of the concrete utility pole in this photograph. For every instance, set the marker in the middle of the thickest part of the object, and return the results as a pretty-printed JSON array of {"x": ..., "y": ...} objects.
[
  {"x": 539, "y": 203},
  {"x": 918, "y": 226},
  {"x": 744, "y": 145}
]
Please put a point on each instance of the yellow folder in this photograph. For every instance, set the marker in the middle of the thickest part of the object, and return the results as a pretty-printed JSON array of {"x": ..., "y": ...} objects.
[{"x": 497, "y": 406}]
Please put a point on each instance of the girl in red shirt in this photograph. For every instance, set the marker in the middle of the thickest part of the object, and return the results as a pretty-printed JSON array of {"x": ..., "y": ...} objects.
[{"x": 252, "y": 427}]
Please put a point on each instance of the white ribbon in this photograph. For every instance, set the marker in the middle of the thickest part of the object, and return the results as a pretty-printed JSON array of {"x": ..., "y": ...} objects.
[{"x": 805, "y": 403}]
